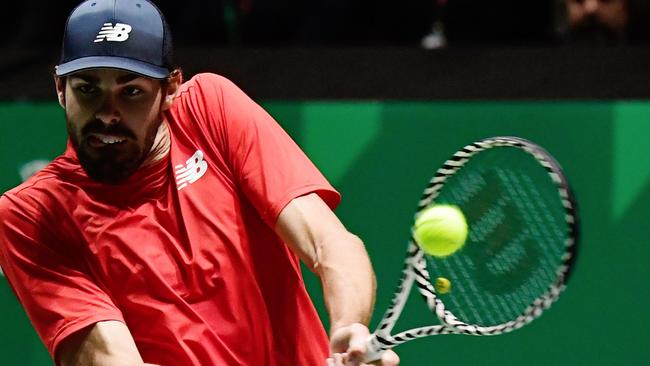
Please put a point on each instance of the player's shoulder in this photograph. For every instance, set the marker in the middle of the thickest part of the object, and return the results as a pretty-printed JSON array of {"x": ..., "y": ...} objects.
[
  {"x": 21, "y": 201},
  {"x": 38, "y": 191},
  {"x": 206, "y": 83},
  {"x": 203, "y": 96}
]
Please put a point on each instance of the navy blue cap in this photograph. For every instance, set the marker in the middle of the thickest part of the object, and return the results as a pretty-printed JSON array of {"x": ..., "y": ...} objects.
[{"x": 130, "y": 35}]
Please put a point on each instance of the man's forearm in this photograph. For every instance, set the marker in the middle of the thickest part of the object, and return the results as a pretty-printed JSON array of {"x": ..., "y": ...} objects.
[
  {"x": 338, "y": 257},
  {"x": 347, "y": 278}
]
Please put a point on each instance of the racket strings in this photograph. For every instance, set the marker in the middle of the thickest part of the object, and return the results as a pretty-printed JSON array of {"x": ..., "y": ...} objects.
[{"x": 516, "y": 240}]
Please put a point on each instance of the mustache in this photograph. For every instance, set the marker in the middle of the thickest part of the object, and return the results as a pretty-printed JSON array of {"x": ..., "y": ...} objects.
[{"x": 116, "y": 129}]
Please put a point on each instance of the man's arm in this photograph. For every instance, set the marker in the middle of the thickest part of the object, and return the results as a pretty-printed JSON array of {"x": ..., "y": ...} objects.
[
  {"x": 102, "y": 344},
  {"x": 339, "y": 258}
]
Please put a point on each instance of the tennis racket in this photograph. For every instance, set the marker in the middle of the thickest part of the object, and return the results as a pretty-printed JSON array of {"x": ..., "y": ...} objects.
[{"x": 520, "y": 251}]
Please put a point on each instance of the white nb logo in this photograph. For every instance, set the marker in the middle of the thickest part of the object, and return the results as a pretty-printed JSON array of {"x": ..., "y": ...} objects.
[
  {"x": 193, "y": 169},
  {"x": 118, "y": 33}
]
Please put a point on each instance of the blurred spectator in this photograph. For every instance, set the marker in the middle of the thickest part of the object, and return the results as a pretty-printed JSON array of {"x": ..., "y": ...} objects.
[
  {"x": 437, "y": 38},
  {"x": 596, "y": 21},
  {"x": 604, "y": 22}
]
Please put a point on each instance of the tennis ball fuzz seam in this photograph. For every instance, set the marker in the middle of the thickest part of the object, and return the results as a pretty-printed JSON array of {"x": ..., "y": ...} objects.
[{"x": 440, "y": 230}]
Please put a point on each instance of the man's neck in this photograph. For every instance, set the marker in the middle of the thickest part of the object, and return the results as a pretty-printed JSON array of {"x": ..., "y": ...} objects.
[{"x": 161, "y": 145}]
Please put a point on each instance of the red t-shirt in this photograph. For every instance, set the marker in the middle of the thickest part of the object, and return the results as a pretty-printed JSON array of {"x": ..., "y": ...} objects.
[{"x": 183, "y": 252}]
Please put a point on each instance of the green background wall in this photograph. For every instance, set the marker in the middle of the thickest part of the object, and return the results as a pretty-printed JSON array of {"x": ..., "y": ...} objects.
[{"x": 381, "y": 154}]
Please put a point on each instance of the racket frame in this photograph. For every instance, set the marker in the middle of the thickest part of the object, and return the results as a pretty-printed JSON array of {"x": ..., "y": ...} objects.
[{"x": 415, "y": 270}]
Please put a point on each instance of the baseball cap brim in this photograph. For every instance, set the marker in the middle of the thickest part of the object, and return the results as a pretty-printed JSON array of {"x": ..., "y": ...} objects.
[{"x": 112, "y": 62}]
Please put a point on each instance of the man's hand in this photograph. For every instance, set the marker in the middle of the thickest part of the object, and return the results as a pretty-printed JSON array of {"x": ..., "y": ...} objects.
[{"x": 348, "y": 345}]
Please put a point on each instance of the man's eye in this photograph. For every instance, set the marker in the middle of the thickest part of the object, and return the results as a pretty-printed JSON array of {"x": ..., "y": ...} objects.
[
  {"x": 132, "y": 91},
  {"x": 86, "y": 89}
]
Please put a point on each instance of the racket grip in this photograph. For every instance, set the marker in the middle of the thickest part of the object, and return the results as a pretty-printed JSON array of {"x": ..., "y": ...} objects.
[{"x": 374, "y": 350}]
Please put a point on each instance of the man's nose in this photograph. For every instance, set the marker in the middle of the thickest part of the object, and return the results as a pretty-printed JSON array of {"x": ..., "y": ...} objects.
[{"x": 108, "y": 112}]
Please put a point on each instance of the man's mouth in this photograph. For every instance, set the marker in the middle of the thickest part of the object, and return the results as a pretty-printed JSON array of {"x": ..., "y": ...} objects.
[{"x": 101, "y": 140}]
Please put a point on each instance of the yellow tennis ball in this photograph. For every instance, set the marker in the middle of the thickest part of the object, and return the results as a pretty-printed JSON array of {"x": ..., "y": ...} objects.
[
  {"x": 440, "y": 230},
  {"x": 442, "y": 285}
]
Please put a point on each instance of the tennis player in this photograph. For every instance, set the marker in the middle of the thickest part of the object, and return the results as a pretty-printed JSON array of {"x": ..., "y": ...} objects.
[{"x": 170, "y": 230}]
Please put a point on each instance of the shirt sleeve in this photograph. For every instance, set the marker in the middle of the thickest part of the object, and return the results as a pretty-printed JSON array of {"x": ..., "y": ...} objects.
[
  {"x": 58, "y": 295},
  {"x": 268, "y": 165}
]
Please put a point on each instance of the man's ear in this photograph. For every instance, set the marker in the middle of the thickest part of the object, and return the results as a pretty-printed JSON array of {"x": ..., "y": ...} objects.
[
  {"x": 170, "y": 90},
  {"x": 59, "y": 83}
]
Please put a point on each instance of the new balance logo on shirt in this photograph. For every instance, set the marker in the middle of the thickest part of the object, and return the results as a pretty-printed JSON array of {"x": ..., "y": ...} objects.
[
  {"x": 118, "y": 33},
  {"x": 194, "y": 168}
]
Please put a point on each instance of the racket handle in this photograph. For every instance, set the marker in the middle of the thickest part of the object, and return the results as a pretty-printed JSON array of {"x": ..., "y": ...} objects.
[{"x": 373, "y": 350}]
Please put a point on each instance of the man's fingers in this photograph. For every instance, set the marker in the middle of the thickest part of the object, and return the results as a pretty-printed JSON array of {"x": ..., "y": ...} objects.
[
  {"x": 349, "y": 345},
  {"x": 359, "y": 335},
  {"x": 389, "y": 358},
  {"x": 351, "y": 338}
]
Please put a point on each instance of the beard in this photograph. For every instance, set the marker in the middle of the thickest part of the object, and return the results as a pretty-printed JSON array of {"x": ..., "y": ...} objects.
[
  {"x": 111, "y": 164},
  {"x": 592, "y": 31}
]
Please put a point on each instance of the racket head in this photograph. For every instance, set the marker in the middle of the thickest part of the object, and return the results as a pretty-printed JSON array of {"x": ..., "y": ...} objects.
[{"x": 522, "y": 243}]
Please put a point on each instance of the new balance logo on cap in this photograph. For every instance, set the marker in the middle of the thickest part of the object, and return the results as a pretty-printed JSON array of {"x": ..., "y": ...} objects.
[
  {"x": 118, "y": 33},
  {"x": 194, "y": 168}
]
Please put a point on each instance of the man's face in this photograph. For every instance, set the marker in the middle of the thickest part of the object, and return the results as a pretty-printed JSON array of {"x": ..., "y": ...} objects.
[
  {"x": 597, "y": 18},
  {"x": 112, "y": 118}
]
